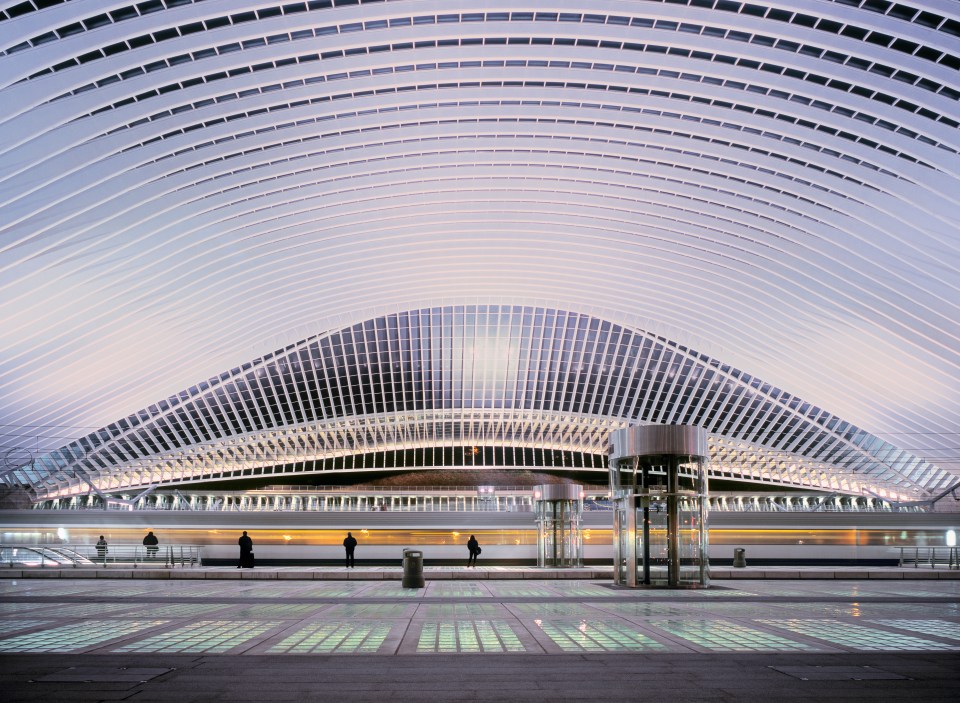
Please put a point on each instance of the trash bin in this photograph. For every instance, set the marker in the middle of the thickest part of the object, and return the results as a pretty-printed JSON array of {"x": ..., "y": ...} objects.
[
  {"x": 413, "y": 568},
  {"x": 739, "y": 558}
]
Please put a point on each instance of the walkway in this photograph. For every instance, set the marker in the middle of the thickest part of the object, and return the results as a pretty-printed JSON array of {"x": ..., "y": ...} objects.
[
  {"x": 477, "y": 640},
  {"x": 439, "y": 573}
]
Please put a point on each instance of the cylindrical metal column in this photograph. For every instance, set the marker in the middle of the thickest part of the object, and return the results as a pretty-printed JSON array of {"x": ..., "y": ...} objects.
[
  {"x": 659, "y": 485},
  {"x": 559, "y": 509}
]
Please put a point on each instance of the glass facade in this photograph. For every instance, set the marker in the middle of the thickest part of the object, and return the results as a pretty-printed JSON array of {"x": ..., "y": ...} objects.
[{"x": 472, "y": 385}]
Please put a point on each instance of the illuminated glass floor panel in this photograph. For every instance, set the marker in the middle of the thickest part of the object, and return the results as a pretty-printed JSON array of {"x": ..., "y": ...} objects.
[
  {"x": 509, "y": 590},
  {"x": 391, "y": 590},
  {"x": 584, "y": 590},
  {"x": 368, "y": 610},
  {"x": 273, "y": 610},
  {"x": 335, "y": 637},
  {"x": 8, "y": 626},
  {"x": 83, "y": 610},
  {"x": 206, "y": 636},
  {"x": 185, "y": 610},
  {"x": 193, "y": 591},
  {"x": 645, "y": 609},
  {"x": 715, "y": 592},
  {"x": 726, "y": 636},
  {"x": 597, "y": 636},
  {"x": 457, "y": 590},
  {"x": 813, "y": 610},
  {"x": 76, "y": 636},
  {"x": 938, "y": 628},
  {"x": 331, "y": 590},
  {"x": 469, "y": 636},
  {"x": 273, "y": 590},
  {"x": 939, "y": 610},
  {"x": 460, "y": 610},
  {"x": 573, "y": 610},
  {"x": 857, "y": 636}
]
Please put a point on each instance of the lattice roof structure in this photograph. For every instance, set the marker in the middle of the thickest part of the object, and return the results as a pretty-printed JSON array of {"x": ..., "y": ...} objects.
[{"x": 761, "y": 190}]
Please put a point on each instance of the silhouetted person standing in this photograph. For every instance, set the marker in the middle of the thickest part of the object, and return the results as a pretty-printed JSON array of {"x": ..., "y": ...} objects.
[
  {"x": 101, "y": 548},
  {"x": 349, "y": 544},
  {"x": 473, "y": 546},
  {"x": 246, "y": 551},
  {"x": 151, "y": 542}
]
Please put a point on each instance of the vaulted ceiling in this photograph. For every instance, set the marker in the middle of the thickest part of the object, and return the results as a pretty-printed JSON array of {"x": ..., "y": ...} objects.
[{"x": 186, "y": 186}]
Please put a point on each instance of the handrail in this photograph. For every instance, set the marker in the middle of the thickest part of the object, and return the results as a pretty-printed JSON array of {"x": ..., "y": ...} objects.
[
  {"x": 930, "y": 556},
  {"x": 78, "y": 555}
]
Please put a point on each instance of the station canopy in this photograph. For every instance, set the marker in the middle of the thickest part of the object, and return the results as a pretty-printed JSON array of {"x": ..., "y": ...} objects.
[{"x": 240, "y": 239}]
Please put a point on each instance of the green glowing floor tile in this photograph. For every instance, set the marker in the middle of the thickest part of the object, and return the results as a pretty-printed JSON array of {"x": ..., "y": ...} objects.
[
  {"x": 460, "y": 610},
  {"x": 83, "y": 610},
  {"x": 857, "y": 636},
  {"x": 572, "y": 610},
  {"x": 335, "y": 637},
  {"x": 711, "y": 593},
  {"x": 812, "y": 610},
  {"x": 367, "y": 610},
  {"x": 8, "y": 626},
  {"x": 509, "y": 590},
  {"x": 331, "y": 590},
  {"x": 273, "y": 590},
  {"x": 185, "y": 610},
  {"x": 725, "y": 636},
  {"x": 469, "y": 636},
  {"x": 938, "y": 628},
  {"x": 583, "y": 590},
  {"x": 597, "y": 636},
  {"x": 273, "y": 610},
  {"x": 925, "y": 610},
  {"x": 76, "y": 636},
  {"x": 203, "y": 636},
  {"x": 210, "y": 590},
  {"x": 457, "y": 590},
  {"x": 645, "y": 609},
  {"x": 744, "y": 609},
  {"x": 393, "y": 589}
]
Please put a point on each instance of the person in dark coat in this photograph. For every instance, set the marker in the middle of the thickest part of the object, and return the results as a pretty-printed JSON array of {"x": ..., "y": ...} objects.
[
  {"x": 473, "y": 546},
  {"x": 246, "y": 551},
  {"x": 349, "y": 544},
  {"x": 151, "y": 542},
  {"x": 101, "y": 548}
]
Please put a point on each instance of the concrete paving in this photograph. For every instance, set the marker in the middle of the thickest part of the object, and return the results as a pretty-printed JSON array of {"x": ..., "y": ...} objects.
[
  {"x": 482, "y": 639},
  {"x": 376, "y": 573}
]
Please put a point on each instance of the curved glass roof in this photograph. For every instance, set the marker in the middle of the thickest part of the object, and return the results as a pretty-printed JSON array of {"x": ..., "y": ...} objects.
[{"x": 185, "y": 186}]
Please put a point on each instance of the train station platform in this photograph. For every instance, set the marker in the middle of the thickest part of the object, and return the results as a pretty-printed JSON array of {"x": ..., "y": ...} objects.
[
  {"x": 449, "y": 573},
  {"x": 477, "y": 640}
]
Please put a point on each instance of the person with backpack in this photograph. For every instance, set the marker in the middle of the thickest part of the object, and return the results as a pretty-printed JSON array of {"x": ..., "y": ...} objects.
[
  {"x": 474, "y": 548},
  {"x": 151, "y": 542}
]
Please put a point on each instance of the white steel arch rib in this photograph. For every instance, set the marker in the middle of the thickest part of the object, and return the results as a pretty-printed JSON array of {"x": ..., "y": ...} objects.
[
  {"x": 185, "y": 186},
  {"x": 479, "y": 379}
]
